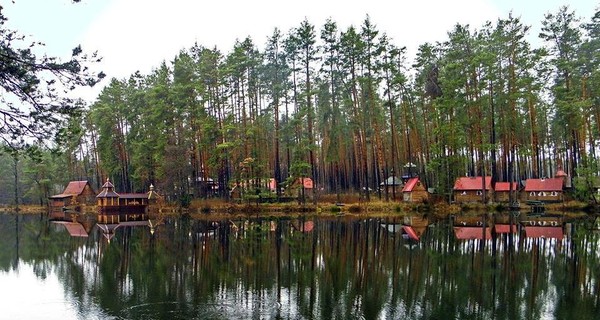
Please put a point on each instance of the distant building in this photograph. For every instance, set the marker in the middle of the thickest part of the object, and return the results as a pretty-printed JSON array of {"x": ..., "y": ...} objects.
[
  {"x": 392, "y": 184},
  {"x": 302, "y": 187},
  {"x": 470, "y": 189}
]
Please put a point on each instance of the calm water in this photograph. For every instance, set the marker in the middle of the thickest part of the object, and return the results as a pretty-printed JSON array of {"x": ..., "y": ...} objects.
[{"x": 330, "y": 268}]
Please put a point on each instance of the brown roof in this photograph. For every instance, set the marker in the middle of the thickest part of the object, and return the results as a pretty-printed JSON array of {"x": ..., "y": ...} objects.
[
  {"x": 551, "y": 184},
  {"x": 133, "y": 195},
  {"x": 74, "y": 188},
  {"x": 472, "y": 183},
  {"x": 107, "y": 191}
]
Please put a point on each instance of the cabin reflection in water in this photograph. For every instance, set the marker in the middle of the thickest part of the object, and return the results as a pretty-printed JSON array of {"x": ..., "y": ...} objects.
[
  {"x": 411, "y": 228},
  {"x": 472, "y": 227},
  {"x": 483, "y": 227},
  {"x": 543, "y": 227}
]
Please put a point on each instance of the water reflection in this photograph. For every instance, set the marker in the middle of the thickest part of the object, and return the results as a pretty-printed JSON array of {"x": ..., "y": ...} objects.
[{"x": 323, "y": 268}]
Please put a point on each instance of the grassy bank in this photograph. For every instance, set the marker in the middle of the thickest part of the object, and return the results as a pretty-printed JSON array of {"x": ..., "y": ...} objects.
[{"x": 218, "y": 208}]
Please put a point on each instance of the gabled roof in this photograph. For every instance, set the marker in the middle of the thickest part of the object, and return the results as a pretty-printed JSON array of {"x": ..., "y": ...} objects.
[
  {"x": 74, "y": 188},
  {"x": 410, "y": 184},
  {"x": 550, "y": 184},
  {"x": 472, "y": 183},
  {"x": 506, "y": 186}
]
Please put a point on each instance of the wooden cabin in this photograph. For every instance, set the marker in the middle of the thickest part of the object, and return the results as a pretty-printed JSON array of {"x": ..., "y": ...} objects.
[
  {"x": 414, "y": 191},
  {"x": 116, "y": 208},
  {"x": 470, "y": 189},
  {"x": 75, "y": 194},
  {"x": 502, "y": 191},
  {"x": 544, "y": 190}
]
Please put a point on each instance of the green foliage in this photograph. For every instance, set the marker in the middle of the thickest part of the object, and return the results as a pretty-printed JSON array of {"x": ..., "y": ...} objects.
[
  {"x": 340, "y": 107},
  {"x": 34, "y": 100}
]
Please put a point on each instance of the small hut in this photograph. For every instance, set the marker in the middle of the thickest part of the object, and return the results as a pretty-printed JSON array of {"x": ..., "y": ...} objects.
[
  {"x": 502, "y": 191},
  {"x": 470, "y": 189},
  {"x": 414, "y": 191}
]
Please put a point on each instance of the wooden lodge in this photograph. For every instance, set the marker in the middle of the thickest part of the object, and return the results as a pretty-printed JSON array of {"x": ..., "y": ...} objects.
[
  {"x": 502, "y": 191},
  {"x": 544, "y": 190},
  {"x": 116, "y": 208},
  {"x": 470, "y": 189},
  {"x": 414, "y": 191},
  {"x": 76, "y": 193}
]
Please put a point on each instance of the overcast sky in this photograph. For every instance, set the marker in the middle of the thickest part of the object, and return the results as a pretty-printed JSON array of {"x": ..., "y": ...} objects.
[{"x": 134, "y": 35}]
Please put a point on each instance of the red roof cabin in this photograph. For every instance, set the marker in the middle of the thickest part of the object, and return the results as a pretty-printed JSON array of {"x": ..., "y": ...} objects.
[
  {"x": 546, "y": 190},
  {"x": 414, "y": 191},
  {"x": 76, "y": 193},
  {"x": 470, "y": 189},
  {"x": 502, "y": 191}
]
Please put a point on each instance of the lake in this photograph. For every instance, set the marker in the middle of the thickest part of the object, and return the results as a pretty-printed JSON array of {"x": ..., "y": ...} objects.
[{"x": 472, "y": 267}]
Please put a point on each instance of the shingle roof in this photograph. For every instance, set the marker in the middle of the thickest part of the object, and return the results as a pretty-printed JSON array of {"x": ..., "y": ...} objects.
[
  {"x": 472, "y": 183},
  {"x": 551, "y": 184},
  {"x": 75, "y": 187}
]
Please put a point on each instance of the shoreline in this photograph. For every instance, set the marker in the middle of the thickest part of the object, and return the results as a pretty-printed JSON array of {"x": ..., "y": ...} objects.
[{"x": 215, "y": 209}]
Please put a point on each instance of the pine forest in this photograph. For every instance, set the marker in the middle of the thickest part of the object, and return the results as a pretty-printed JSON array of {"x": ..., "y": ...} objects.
[{"x": 347, "y": 108}]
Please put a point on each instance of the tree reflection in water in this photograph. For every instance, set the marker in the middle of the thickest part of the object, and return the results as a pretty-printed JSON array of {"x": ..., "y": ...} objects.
[{"x": 321, "y": 268}]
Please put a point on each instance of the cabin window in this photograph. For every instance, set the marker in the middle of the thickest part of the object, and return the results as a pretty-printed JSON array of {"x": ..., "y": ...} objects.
[
  {"x": 554, "y": 193},
  {"x": 464, "y": 193},
  {"x": 532, "y": 193},
  {"x": 479, "y": 193}
]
